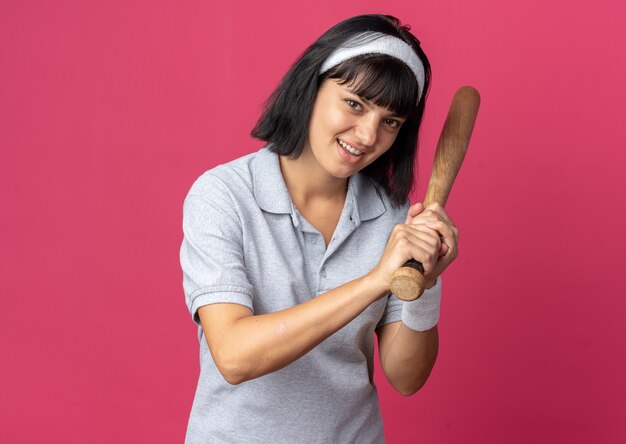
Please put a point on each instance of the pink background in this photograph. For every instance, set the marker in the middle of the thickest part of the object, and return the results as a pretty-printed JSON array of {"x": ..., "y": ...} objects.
[{"x": 110, "y": 110}]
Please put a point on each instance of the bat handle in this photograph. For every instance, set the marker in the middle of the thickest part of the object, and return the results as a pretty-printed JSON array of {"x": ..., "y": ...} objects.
[{"x": 407, "y": 282}]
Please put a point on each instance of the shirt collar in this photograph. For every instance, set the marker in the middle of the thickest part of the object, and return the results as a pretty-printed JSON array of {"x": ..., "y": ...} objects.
[{"x": 272, "y": 196}]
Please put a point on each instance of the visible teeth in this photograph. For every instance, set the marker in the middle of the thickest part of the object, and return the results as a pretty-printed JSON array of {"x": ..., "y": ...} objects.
[{"x": 349, "y": 148}]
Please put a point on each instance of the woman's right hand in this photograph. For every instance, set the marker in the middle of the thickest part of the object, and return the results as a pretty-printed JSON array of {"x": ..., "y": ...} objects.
[{"x": 409, "y": 241}]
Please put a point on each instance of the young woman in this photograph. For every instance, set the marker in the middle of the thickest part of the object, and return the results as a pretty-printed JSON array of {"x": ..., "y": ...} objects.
[{"x": 288, "y": 252}]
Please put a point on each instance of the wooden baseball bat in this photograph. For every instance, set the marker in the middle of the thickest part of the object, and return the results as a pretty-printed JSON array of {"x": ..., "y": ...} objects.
[{"x": 408, "y": 281}]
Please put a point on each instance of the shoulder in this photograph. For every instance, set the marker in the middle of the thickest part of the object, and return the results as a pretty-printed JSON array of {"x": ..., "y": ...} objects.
[
  {"x": 220, "y": 196},
  {"x": 230, "y": 178}
]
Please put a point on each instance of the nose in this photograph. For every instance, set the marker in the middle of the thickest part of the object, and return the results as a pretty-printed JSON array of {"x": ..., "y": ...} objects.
[{"x": 367, "y": 130}]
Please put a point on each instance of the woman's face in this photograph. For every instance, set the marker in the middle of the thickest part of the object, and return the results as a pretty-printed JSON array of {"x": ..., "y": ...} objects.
[{"x": 347, "y": 133}]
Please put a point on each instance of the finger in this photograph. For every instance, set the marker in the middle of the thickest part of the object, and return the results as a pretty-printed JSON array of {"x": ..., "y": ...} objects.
[
  {"x": 433, "y": 211},
  {"x": 443, "y": 228},
  {"x": 436, "y": 208},
  {"x": 426, "y": 254},
  {"x": 443, "y": 249},
  {"x": 434, "y": 220},
  {"x": 425, "y": 233},
  {"x": 414, "y": 210},
  {"x": 449, "y": 235},
  {"x": 426, "y": 216},
  {"x": 420, "y": 243},
  {"x": 423, "y": 216},
  {"x": 421, "y": 250}
]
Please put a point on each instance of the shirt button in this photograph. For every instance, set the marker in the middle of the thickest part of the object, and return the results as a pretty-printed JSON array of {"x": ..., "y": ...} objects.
[{"x": 311, "y": 240}]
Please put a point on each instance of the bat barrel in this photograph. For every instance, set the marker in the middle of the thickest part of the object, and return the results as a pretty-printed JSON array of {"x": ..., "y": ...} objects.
[{"x": 408, "y": 281}]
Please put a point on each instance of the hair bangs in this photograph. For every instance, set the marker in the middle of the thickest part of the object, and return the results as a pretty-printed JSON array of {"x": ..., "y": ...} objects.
[{"x": 381, "y": 79}]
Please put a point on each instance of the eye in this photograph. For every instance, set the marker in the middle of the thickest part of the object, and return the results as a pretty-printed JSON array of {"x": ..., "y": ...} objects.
[
  {"x": 354, "y": 104},
  {"x": 393, "y": 123}
]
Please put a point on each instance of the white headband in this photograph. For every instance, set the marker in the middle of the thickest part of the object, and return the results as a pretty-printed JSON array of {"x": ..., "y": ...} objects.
[{"x": 377, "y": 43}]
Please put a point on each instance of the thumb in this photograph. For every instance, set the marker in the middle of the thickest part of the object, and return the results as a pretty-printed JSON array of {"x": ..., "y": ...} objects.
[{"x": 414, "y": 210}]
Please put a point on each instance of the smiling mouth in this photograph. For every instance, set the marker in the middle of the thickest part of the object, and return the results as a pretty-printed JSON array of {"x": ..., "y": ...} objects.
[{"x": 349, "y": 149}]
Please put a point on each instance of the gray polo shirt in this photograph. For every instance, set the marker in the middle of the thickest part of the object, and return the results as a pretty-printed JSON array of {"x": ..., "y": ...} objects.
[{"x": 246, "y": 243}]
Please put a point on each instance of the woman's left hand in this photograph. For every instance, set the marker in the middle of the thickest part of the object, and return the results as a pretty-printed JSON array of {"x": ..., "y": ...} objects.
[{"x": 436, "y": 218}]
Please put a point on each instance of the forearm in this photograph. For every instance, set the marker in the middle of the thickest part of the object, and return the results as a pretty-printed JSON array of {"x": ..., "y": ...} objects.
[
  {"x": 410, "y": 357},
  {"x": 256, "y": 345}
]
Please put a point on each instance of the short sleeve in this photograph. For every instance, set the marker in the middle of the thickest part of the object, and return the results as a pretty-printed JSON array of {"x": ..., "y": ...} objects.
[
  {"x": 393, "y": 310},
  {"x": 211, "y": 254}
]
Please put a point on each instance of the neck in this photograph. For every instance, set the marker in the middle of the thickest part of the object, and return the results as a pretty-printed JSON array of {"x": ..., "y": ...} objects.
[{"x": 306, "y": 184}]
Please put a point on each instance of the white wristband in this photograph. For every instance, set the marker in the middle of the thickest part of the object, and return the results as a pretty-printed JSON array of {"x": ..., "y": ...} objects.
[{"x": 423, "y": 313}]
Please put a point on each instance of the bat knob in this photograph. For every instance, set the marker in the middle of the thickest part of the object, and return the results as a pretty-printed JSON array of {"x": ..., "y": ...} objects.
[{"x": 407, "y": 283}]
